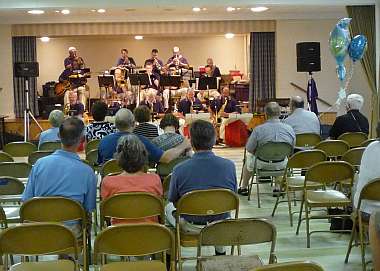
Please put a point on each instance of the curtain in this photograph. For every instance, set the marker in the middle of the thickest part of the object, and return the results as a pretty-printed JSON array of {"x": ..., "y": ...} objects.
[
  {"x": 262, "y": 67},
  {"x": 24, "y": 50},
  {"x": 363, "y": 22}
]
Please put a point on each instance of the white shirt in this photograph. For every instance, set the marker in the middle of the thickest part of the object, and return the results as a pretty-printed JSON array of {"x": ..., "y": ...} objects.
[
  {"x": 303, "y": 121},
  {"x": 369, "y": 170}
]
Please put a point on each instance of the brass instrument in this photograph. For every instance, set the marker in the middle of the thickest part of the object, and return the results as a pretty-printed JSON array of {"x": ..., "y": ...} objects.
[
  {"x": 191, "y": 107},
  {"x": 157, "y": 64},
  {"x": 217, "y": 113},
  {"x": 66, "y": 109}
]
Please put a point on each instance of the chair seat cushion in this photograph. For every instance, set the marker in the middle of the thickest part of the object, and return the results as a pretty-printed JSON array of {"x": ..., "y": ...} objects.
[
  {"x": 134, "y": 266},
  {"x": 59, "y": 265},
  {"x": 297, "y": 182},
  {"x": 327, "y": 198},
  {"x": 230, "y": 263}
]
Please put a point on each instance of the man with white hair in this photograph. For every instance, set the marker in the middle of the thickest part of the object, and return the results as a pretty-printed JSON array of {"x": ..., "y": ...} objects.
[
  {"x": 353, "y": 120},
  {"x": 73, "y": 61},
  {"x": 189, "y": 104},
  {"x": 56, "y": 117},
  {"x": 177, "y": 60}
]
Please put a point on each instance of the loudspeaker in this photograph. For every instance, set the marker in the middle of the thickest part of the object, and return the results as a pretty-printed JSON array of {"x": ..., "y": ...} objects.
[
  {"x": 26, "y": 69},
  {"x": 308, "y": 57}
]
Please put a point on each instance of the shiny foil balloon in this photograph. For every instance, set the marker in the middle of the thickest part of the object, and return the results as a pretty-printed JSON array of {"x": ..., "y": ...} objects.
[
  {"x": 340, "y": 40},
  {"x": 357, "y": 47},
  {"x": 341, "y": 72}
]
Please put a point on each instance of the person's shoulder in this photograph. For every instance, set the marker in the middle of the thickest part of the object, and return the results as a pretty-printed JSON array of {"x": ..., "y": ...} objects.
[{"x": 224, "y": 161}]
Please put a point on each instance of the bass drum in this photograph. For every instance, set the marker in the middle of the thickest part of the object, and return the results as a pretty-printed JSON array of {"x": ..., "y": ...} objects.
[{"x": 61, "y": 88}]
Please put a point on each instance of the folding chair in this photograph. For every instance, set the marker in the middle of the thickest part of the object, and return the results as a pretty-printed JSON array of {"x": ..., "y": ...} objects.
[
  {"x": 369, "y": 192},
  {"x": 39, "y": 239},
  {"x": 354, "y": 139},
  {"x": 50, "y": 146},
  {"x": 166, "y": 185},
  {"x": 307, "y": 140},
  {"x": 20, "y": 149},
  {"x": 291, "y": 266},
  {"x": 334, "y": 149},
  {"x": 15, "y": 169},
  {"x": 367, "y": 142},
  {"x": 135, "y": 240},
  {"x": 92, "y": 158},
  {"x": 34, "y": 156},
  {"x": 236, "y": 232},
  {"x": 5, "y": 157},
  {"x": 109, "y": 167},
  {"x": 164, "y": 169},
  {"x": 354, "y": 157},
  {"x": 92, "y": 145}
]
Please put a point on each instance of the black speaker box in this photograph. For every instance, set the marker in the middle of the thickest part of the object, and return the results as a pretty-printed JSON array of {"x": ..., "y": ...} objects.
[
  {"x": 26, "y": 69},
  {"x": 308, "y": 57}
]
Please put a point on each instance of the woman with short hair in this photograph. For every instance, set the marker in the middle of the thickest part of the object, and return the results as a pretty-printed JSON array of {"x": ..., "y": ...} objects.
[
  {"x": 99, "y": 128},
  {"x": 143, "y": 116}
]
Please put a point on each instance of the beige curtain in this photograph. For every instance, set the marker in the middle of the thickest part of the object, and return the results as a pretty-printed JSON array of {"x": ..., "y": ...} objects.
[{"x": 363, "y": 22}]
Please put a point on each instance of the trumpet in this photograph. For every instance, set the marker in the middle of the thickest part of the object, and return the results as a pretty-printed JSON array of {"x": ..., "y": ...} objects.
[
  {"x": 66, "y": 109},
  {"x": 157, "y": 64}
]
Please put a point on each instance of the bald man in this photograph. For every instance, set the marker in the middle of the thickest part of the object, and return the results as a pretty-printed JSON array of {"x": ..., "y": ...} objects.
[{"x": 301, "y": 120}]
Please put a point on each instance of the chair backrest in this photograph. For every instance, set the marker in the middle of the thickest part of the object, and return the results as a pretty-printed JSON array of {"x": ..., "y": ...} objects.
[
  {"x": 50, "y": 146},
  {"x": 330, "y": 172},
  {"x": 11, "y": 186},
  {"x": 274, "y": 151},
  {"x": 370, "y": 191},
  {"x": 3, "y": 218},
  {"x": 133, "y": 205},
  {"x": 5, "y": 157},
  {"x": 34, "y": 156},
  {"x": 354, "y": 156},
  {"x": 37, "y": 239},
  {"x": 20, "y": 149},
  {"x": 92, "y": 157},
  {"x": 134, "y": 240},
  {"x": 207, "y": 202},
  {"x": 92, "y": 145},
  {"x": 307, "y": 140},
  {"x": 164, "y": 169},
  {"x": 52, "y": 209},
  {"x": 368, "y": 141},
  {"x": 305, "y": 159},
  {"x": 166, "y": 184},
  {"x": 333, "y": 148},
  {"x": 354, "y": 139},
  {"x": 15, "y": 169},
  {"x": 290, "y": 266},
  {"x": 111, "y": 166}
]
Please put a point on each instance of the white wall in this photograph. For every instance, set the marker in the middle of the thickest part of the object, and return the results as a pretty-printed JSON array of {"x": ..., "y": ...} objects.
[
  {"x": 100, "y": 53},
  {"x": 6, "y": 73},
  {"x": 290, "y": 32}
]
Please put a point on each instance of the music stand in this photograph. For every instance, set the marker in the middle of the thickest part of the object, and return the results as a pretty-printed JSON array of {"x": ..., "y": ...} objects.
[
  {"x": 206, "y": 83},
  {"x": 106, "y": 81},
  {"x": 138, "y": 79},
  {"x": 170, "y": 81}
]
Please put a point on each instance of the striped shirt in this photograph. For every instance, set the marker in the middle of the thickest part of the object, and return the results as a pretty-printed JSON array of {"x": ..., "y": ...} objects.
[{"x": 146, "y": 129}]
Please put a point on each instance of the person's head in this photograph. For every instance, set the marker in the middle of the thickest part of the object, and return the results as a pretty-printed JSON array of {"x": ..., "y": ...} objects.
[
  {"x": 272, "y": 110},
  {"x": 210, "y": 62},
  {"x": 154, "y": 53},
  {"x": 71, "y": 132},
  {"x": 142, "y": 114},
  {"x": 226, "y": 91},
  {"x": 124, "y": 53},
  {"x": 118, "y": 75},
  {"x": 56, "y": 117},
  {"x": 169, "y": 120},
  {"x": 131, "y": 154},
  {"x": 208, "y": 70},
  {"x": 354, "y": 102},
  {"x": 72, "y": 51},
  {"x": 149, "y": 67},
  {"x": 190, "y": 93},
  {"x": 176, "y": 50},
  {"x": 296, "y": 102},
  {"x": 151, "y": 95},
  {"x": 99, "y": 111},
  {"x": 124, "y": 120},
  {"x": 202, "y": 135},
  {"x": 73, "y": 97}
]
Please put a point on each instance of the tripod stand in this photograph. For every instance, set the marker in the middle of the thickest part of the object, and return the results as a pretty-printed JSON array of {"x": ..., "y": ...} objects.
[{"x": 28, "y": 113}]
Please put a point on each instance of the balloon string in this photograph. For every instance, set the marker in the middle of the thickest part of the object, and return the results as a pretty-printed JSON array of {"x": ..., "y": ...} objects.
[{"x": 349, "y": 78}]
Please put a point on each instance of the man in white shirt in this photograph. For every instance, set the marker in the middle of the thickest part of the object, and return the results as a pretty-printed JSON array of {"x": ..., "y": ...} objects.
[
  {"x": 369, "y": 170},
  {"x": 301, "y": 120}
]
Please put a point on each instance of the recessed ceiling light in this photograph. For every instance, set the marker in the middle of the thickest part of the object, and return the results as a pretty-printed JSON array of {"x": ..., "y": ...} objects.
[
  {"x": 45, "y": 39},
  {"x": 237, "y": 8},
  {"x": 57, "y": 11},
  {"x": 204, "y": 9},
  {"x": 93, "y": 10},
  {"x": 36, "y": 11},
  {"x": 196, "y": 9},
  {"x": 101, "y": 10},
  {"x": 230, "y": 9},
  {"x": 65, "y": 11},
  {"x": 259, "y": 9},
  {"x": 229, "y": 35},
  {"x": 139, "y": 37}
]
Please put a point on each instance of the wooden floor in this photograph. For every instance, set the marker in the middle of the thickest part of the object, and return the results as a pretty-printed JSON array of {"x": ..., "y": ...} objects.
[{"x": 327, "y": 249}]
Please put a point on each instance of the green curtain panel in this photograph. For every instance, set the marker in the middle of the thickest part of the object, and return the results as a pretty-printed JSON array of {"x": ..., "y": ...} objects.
[{"x": 363, "y": 22}]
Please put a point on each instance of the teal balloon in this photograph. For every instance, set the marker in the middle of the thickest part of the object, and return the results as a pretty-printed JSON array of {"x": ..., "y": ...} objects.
[
  {"x": 357, "y": 47},
  {"x": 341, "y": 72},
  {"x": 340, "y": 40}
]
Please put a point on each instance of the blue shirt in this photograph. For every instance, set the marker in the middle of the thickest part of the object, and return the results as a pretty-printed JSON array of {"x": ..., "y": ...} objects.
[
  {"x": 49, "y": 135},
  {"x": 62, "y": 174},
  {"x": 203, "y": 171},
  {"x": 108, "y": 144}
]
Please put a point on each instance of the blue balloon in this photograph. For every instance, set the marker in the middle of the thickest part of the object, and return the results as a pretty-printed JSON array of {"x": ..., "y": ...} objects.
[
  {"x": 340, "y": 40},
  {"x": 341, "y": 72},
  {"x": 357, "y": 47}
]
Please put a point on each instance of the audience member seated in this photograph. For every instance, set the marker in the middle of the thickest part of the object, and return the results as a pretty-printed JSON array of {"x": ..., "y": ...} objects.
[
  {"x": 132, "y": 156},
  {"x": 125, "y": 123},
  {"x": 143, "y": 116},
  {"x": 273, "y": 130},
  {"x": 153, "y": 103},
  {"x": 203, "y": 171},
  {"x": 369, "y": 170},
  {"x": 56, "y": 118},
  {"x": 302, "y": 121},
  {"x": 99, "y": 128},
  {"x": 374, "y": 238},
  {"x": 63, "y": 173},
  {"x": 353, "y": 121}
]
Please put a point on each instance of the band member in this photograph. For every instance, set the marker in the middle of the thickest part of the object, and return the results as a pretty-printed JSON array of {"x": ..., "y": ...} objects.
[
  {"x": 155, "y": 61},
  {"x": 74, "y": 107},
  {"x": 125, "y": 60},
  {"x": 225, "y": 104},
  {"x": 190, "y": 103},
  {"x": 211, "y": 69},
  {"x": 177, "y": 60},
  {"x": 153, "y": 102},
  {"x": 73, "y": 62},
  {"x": 153, "y": 77}
]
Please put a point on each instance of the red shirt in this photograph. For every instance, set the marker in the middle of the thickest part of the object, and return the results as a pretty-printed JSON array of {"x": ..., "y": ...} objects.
[{"x": 150, "y": 183}]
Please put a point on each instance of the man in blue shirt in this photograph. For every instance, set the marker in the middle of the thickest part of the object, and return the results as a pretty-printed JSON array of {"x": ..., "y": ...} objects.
[
  {"x": 56, "y": 118},
  {"x": 203, "y": 171},
  {"x": 125, "y": 123}
]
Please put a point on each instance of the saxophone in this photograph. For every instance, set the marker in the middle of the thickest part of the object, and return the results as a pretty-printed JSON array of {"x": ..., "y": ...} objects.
[
  {"x": 66, "y": 109},
  {"x": 217, "y": 113}
]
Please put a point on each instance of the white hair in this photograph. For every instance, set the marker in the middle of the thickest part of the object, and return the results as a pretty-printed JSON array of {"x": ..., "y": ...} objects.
[
  {"x": 124, "y": 119},
  {"x": 151, "y": 92},
  {"x": 355, "y": 101},
  {"x": 72, "y": 48},
  {"x": 175, "y": 49}
]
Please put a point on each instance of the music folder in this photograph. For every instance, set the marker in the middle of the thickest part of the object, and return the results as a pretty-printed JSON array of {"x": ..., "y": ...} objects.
[
  {"x": 170, "y": 81},
  {"x": 137, "y": 79},
  {"x": 206, "y": 83}
]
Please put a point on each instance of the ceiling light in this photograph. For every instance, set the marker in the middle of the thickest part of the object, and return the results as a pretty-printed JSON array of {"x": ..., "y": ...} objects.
[
  {"x": 229, "y": 35},
  {"x": 36, "y": 11},
  {"x": 57, "y": 11},
  {"x": 65, "y": 11},
  {"x": 237, "y": 8},
  {"x": 204, "y": 9},
  {"x": 196, "y": 9},
  {"x": 93, "y": 10},
  {"x": 45, "y": 39},
  {"x": 230, "y": 9},
  {"x": 139, "y": 37},
  {"x": 259, "y": 9},
  {"x": 101, "y": 10}
]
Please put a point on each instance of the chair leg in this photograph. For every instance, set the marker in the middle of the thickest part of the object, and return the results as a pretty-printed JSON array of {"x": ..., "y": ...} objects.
[
  {"x": 300, "y": 216},
  {"x": 275, "y": 206},
  {"x": 258, "y": 192},
  {"x": 362, "y": 245},
  {"x": 353, "y": 235},
  {"x": 289, "y": 208},
  {"x": 250, "y": 184},
  {"x": 307, "y": 225}
]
